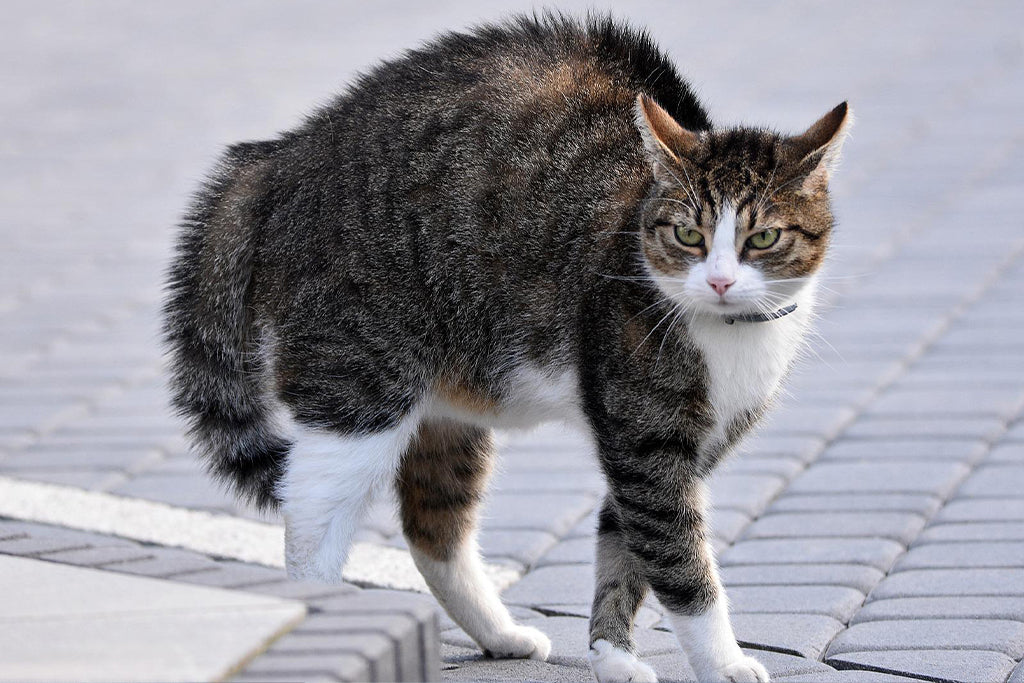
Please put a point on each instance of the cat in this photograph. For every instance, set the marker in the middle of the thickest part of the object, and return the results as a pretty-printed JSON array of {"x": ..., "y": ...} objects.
[{"x": 534, "y": 220}]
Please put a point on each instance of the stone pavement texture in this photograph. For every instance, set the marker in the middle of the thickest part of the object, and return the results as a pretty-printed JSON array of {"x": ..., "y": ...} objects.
[{"x": 873, "y": 529}]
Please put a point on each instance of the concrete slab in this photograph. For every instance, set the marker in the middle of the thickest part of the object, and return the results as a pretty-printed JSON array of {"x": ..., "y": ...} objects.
[{"x": 71, "y": 623}]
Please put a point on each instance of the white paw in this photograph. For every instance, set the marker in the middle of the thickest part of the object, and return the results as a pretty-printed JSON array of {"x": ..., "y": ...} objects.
[
  {"x": 746, "y": 670},
  {"x": 614, "y": 665},
  {"x": 520, "y": 642}
]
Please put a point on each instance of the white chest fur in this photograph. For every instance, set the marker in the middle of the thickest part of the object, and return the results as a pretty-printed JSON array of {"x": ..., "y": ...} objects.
[
  {"x": 533, "y": 397},
  {"x": 746, "y": 362}
]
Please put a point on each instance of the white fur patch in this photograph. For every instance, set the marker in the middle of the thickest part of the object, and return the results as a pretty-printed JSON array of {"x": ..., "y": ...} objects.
[
  {"x": 328, "y": 482},
  {"x": 613, "y": 665},
  {"x": 747, "y": 361},
  {"x": 534, "y": 396},
  {"x": 722, "y": 260},
  {"x": 711, "y": 647},
  {"x": 462, "y": 588}
]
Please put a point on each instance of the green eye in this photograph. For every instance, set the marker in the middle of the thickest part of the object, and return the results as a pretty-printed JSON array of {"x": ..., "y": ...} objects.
[
  {"x": 689, "y": 237},
  {"x": 764, "y": 239}
]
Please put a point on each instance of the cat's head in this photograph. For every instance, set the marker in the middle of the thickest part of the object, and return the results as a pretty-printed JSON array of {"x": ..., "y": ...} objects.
[{"x": 738, "y": 220}]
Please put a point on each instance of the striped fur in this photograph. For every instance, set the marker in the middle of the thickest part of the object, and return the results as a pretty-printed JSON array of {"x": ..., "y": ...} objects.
[{"x": 486, "y": 232}]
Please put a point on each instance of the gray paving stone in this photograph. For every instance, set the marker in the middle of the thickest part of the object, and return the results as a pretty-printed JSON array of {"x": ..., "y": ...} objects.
[
  {"x": 588, "y": 481},
  {"x": 89, "y": 457},
  {"x": 955, "y": 666},
  {"x": 901, "y": 527},
  {"x": 727, "y": 525},
  {"x": 191, "y": 491},
  {"x": 803, "y": 448},
  {"x": 848, "y": 676},
  {"x": 919, "y": 503},
  {"x": 749, "y": 463},
  {"x": 570, "y": 640},
  {"x": 932, "y": 634},
  {"x": 340, "y": 666},
  {"x": 408, "y": 619},
  {"x": 395, "y": 638},
  {"x": 350, "y": 600},
  {"x": 746, "y": 493},
  {"x": 959, "y": 607},
  {"x": 963, "y": 555},
  {"x": 875, "y": 552},
  {"x": 97, "y": 557},
  {"x": 444, "y": 622},
  {"x": 982, "y": 510},
  {"x": 376, "y": 648},
  {"x": 1017, "y": 676},
  {"x": 60, "y": 615},
  {"x": 12, "y": 529},
  {"x": 821, "y": 421},
  {"x": 164, "y": 563},
  {"x": 553, "y": 585},
  {"x": 852, "y": 450},
  {"x": 554, "y": 513},
  {"x": 649, "y": 615},
  {"x": 301, "y": 590},
  {"x": 951, "y": 582},
  {"x": 1015, "y": 432},
  {"x": 525, "y": 547},
  {"x": 856, "y": 576},
  {"x": 34, "y": 546},
  {"x": 946, "y": 402},
  {"x": 938, "y": 479},
  {"x": 803, "y": 635},
  {"x": 993, "y": 481},
  {"x": 403, "y": 647},
  {"x": 674, "y": 667},
  {"x": 571, "y": 551},
  {"x": 914, "y": 428},
  {"x": 360, "y": 669},
  {"x": 235, "y": 575},
  {"x": 1010, "y": 452},
  {"x": 838, "y": 602},
  {"x": 974, "y": 531},
  {"x": 485, "y": 669},
  {"x": 960, "y": 336},
  {"x": 97, "y": 479}
]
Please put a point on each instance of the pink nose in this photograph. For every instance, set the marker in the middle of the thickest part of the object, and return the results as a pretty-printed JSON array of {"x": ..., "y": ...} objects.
[{"x": 720, "y": 284}]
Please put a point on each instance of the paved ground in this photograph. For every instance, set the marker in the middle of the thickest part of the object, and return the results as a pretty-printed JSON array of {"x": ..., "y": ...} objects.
[{"x": 875, "y": 525}]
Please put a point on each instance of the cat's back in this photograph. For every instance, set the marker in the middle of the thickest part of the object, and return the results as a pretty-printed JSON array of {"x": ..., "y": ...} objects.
[
  {"x": 481, "y": 160},
  {"x": 550, "y": 63}
]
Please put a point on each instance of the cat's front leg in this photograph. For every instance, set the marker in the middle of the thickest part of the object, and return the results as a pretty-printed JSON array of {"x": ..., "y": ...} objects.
[
  {"x": 659, "y": 509},
  {"x": 619, "y": 589}
]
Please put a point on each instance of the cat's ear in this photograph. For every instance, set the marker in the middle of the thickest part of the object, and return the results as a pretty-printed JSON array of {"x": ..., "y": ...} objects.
[
  {"x": 665, "y": 141},
  {"x": 817, "y": 150}
]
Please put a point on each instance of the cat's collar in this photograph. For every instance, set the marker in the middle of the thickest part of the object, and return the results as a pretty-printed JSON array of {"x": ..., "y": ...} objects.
[{"x": 759, "y": 317}]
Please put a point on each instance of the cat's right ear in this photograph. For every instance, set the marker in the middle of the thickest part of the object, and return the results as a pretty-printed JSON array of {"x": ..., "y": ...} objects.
[{"x": 665, "y": 141}]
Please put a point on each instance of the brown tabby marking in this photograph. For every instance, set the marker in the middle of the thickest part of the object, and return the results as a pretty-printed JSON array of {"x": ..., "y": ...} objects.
[
  {"x": 459, "y": 393},
  {"x": 441, "y": 483}
]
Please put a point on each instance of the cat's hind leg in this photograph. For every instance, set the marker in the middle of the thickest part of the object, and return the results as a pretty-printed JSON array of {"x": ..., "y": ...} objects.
[
  {"x": 440, "y": 485},
  {"x": 328, "y": 482}
]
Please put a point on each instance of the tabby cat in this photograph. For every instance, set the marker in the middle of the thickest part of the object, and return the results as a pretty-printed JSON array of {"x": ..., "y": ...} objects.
[{"x": 532, "y": 221}]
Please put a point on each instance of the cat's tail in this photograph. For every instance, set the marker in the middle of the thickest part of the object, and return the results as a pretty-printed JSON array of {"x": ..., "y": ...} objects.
[{"x": 216, "y": 374}]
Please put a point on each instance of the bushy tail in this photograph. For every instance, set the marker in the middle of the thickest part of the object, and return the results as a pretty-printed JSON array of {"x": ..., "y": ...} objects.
[{"x": 215, "y": 374}]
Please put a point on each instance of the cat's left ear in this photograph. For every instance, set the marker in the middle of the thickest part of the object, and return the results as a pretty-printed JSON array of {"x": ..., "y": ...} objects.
[
  {"x": 818, "y": 149},
  {"x": 666, "y": 142}
]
